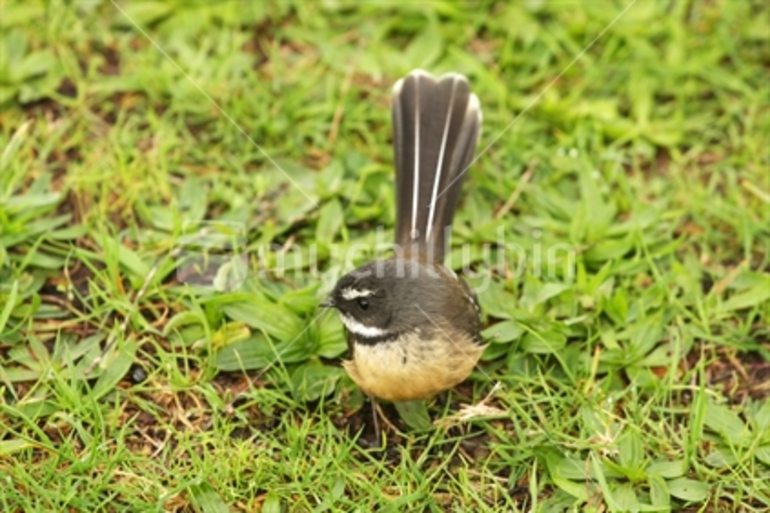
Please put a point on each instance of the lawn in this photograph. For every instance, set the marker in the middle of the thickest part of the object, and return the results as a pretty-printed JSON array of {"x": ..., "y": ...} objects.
[{"x": 182, "y": 183}]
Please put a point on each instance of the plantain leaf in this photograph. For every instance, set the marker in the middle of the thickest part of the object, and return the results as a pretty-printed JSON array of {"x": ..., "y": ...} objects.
[
  {"x": 414, "y": 413},
  {"x": 688, "y": 489},
  {"x": 261, "y": 313},
  {"x": 313, "y": 380}
]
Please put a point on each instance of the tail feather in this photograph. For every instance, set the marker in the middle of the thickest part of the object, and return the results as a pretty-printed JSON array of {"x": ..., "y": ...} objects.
[{"x": 436, "y": 127}]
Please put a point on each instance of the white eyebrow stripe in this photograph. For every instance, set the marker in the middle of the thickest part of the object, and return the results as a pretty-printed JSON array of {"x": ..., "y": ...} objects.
[
  {"x": 349, "y": 293},
  {"x": 441, "y": 152},
  {"x": 416, "y": 179},
  {"x": 357, "y": 328}
]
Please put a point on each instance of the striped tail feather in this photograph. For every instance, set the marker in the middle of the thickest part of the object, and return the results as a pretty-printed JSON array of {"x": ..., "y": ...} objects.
[{"x": 436, "y": 124}]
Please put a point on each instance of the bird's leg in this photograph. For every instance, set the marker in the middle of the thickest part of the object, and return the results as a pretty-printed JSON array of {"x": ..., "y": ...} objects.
[{"x": 376, "y": 422}]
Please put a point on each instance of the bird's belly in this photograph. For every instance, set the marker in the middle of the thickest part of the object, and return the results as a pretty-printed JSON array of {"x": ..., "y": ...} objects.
[{"x": 411, "y": 367}]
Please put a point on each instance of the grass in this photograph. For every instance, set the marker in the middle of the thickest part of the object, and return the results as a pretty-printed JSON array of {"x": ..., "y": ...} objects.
[{"x": 167, "y": 168}]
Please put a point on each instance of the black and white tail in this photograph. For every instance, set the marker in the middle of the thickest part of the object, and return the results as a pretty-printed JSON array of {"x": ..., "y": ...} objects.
[{"x": 436, "y": 124}]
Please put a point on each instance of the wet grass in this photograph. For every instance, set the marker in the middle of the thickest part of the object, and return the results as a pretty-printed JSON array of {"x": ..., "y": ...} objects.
[{"x": 181, "y": 184}]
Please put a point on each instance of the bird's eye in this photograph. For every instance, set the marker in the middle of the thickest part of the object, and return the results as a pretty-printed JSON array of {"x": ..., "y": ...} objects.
[{"x": 363, "y": 303}]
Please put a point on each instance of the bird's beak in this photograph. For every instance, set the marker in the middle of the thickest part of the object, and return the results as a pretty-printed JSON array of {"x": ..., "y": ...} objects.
[{"x": 328, "y": 303}]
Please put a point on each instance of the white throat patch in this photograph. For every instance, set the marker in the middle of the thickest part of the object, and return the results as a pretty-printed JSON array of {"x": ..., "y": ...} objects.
[
  {"x": 361, "y": 330},
  {"x": 349, "y": 293}
]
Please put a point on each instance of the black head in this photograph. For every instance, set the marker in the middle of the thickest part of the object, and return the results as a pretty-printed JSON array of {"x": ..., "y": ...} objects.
[
  {"x": 364, "y": 299},
  {"x": 387, "y": 298}
]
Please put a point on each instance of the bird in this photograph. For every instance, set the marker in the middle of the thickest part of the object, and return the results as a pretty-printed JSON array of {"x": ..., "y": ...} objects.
[{"x": 413, "y": 325}]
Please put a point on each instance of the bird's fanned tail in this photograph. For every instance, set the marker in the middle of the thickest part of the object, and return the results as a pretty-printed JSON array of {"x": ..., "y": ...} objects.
[{"x": 436, "y": 124}]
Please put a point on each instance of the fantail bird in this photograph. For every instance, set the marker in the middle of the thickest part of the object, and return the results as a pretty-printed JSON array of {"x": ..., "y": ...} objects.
[{"x": 412, "y": 323}]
